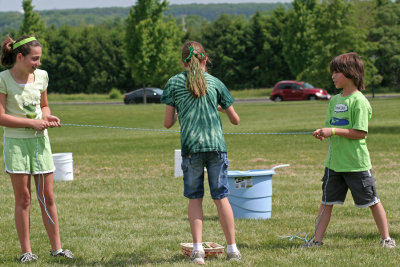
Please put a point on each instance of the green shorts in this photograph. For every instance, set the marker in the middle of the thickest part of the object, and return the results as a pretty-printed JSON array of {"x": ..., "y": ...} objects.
[{"x": 28, "y": 155}]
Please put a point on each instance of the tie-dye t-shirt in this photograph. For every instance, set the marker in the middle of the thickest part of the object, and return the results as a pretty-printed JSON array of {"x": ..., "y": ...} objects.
[
  {"x": 348, "y": 112},
  {"x": 201, "y": 128}
]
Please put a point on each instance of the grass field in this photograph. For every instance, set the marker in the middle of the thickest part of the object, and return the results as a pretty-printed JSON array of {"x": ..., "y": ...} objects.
[
  {"x": 261, "y": 93},
  {"x": 125, "y": 208}
]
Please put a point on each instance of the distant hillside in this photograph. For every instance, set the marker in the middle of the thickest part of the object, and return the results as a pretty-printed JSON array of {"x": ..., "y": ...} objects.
[
  {"x": 212, "y": 11},
  {"x": 92, "y": 16}
]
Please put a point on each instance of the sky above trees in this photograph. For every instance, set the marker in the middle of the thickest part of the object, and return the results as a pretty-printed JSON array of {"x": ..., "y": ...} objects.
[{"x": 16, "y": 5}]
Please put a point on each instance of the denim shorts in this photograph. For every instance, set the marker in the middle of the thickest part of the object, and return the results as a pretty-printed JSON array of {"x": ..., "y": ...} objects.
[
  {"x": 193, "y": 174},
  {"x": 361, "y": 185}
]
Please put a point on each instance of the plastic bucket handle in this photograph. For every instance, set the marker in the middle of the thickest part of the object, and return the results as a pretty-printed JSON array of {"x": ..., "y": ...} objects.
[{"x": 280, "y": 166}]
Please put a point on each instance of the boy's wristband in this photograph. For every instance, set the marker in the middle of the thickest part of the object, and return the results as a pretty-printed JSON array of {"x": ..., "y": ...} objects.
[{"x": 333, "y": 132}]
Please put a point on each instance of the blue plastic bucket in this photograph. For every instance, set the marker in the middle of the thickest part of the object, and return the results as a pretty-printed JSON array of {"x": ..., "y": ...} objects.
[{"x": 251, "y": 193}]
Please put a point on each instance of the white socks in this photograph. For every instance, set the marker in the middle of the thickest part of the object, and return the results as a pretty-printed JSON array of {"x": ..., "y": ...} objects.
[
  {"x": 231, "y": 248},
  {"x": 198, "y": 246}
]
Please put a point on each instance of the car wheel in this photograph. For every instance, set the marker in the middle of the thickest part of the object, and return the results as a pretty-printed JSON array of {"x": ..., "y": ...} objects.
[
  {"x": 312, "y": 97},
  {"x": 278, "y": 98},
  {"x": 132, "y": 101}
]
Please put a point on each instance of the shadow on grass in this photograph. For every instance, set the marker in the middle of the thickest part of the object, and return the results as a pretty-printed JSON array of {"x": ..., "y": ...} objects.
[
  {"x": 268, "y": 245},
  {"x": 374, "y": 237},
  {"x": 123, "y": 259},
  {"x": 384, "y": 129},
  {"x": 205, "y": 218},
  {"x": 346, "y": 240},
  {"x": 138, "y": 258}
]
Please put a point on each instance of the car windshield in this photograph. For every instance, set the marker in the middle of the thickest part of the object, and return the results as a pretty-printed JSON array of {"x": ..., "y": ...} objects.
[
  {"x": 158, "y": 91},
  {"x": 307, "y": 86}
]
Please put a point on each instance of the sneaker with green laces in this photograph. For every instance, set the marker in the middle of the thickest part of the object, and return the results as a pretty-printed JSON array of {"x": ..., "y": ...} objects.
[
  {"x": 197, "y": 257},
  {"x": 28, "y": 257},
  {"x": 62, "y": 253},
  {"x": 388, "y": 243},
  {"x": 234, "y": 256}
]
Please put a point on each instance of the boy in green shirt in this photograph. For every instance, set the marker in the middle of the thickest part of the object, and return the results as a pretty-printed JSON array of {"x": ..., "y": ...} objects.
[{"x": 348, "y": 164}]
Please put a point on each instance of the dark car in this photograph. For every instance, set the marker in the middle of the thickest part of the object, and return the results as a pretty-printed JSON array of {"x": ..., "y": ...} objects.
[
  {"x": 293, "y": 90},
  {"x": 153, "y": 95}
]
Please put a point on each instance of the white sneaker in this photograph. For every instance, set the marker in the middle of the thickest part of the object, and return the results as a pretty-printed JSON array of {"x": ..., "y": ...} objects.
[
  {"x": 197, "y": 257},
  {"x": 234, "y": 256},
  {"x": 388, "y": 243},
  {"x": 28, "y": 257}
]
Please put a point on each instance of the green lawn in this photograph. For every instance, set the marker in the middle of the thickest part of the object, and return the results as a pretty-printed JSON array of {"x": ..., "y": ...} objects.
[
  {"x": 64, "y": 98},
  {"x": 251, "y": 93},
  {"x": 125, "y": 208},
  {"x": 261, "y": 93}
]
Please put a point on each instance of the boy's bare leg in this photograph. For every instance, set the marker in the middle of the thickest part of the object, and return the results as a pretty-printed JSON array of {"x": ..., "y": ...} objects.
[
  {"x": 380, "y": 219},
  {"x": 323, "y": 221}
]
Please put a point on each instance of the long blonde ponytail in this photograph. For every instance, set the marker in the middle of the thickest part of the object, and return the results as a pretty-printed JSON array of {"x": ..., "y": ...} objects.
[{"x": 193, "y": 55}]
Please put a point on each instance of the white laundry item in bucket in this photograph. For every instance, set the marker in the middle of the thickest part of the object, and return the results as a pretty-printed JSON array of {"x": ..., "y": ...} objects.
[{"x": 63, "y": 163}]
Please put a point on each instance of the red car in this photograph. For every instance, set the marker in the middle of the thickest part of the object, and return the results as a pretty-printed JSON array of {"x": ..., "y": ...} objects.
[{"x": 293, "y": 90}]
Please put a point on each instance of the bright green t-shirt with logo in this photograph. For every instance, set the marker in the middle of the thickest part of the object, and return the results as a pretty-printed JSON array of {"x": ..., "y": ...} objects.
[
  {"x": 23, "y": 100},
  {"x": 348, "y": 112},
  {"x": 201, "y": 128}
]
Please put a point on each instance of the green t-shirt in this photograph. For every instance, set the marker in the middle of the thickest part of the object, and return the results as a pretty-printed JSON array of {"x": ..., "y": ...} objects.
[
  {"x": 23, "y": 100},
  {"x": 201, "y": 128},
  {"x": 349, "y": 112}
]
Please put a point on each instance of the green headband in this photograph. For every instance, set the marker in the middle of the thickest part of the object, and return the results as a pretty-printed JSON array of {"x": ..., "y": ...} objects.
[
  {"x": 191, "y": 50},
  {"x": 22, "y": 42}
]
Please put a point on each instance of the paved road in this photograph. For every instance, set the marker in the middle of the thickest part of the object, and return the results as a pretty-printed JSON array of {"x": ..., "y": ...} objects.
[{"x": 249, "y": 100}]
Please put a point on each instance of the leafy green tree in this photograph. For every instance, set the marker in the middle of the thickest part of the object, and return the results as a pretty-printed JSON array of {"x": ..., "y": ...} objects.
[
  {"x": 152, "y": 43},
  {"x": 32, "y": 23},
  {"x": 266, "y": 61},
  {"x": 192, "y": 25},
  {"x": 62, "y": 63},
  {"x": 87, "y": 59},
  {"x": 336, "y": 32},
  {"x": 385, "y": 36},
  {"x": 227, "y": 42},
  {"x": 317, "y": 32},
  {"x": 298, "y": 35}
]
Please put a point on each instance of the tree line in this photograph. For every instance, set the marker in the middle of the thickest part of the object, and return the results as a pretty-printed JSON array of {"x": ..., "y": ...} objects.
[
  {"x": 245, "y": 52},
  {"x": 95, "y": 16}
]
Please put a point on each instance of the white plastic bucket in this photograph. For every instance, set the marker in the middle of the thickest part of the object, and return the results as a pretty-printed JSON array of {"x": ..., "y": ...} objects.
[
  {"x": 178, "y": 162},
  {"x": 64, "y": 167}
]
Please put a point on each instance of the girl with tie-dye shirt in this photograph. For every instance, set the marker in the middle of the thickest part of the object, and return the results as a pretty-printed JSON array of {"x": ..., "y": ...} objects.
[{"x": 195, "y": 97}]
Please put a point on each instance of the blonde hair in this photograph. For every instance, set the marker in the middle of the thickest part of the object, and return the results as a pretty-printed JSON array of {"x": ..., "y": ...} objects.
[{"x": 193, "y": 54}]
